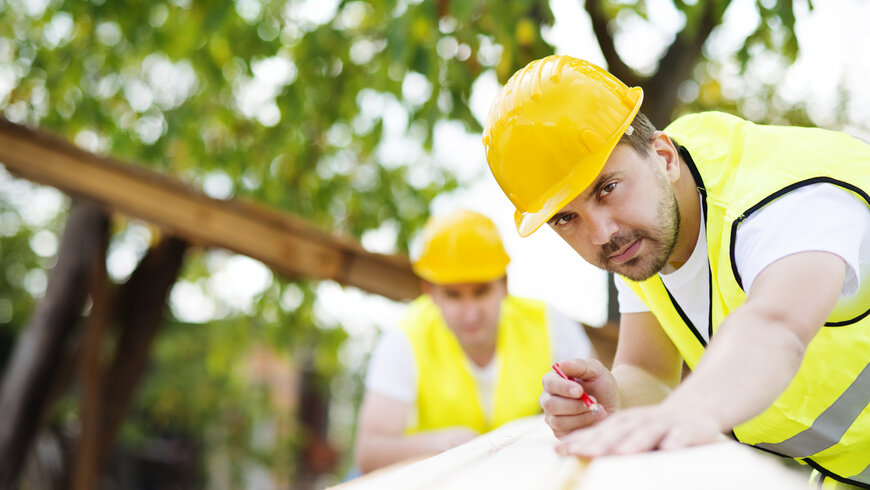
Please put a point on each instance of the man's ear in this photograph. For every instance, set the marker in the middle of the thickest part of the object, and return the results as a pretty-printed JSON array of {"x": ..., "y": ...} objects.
[
  {"x": 663, "y": 148},
  {"x": 426, "y": 286}
]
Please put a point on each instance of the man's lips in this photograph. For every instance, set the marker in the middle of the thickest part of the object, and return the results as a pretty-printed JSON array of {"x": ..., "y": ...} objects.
[{"x": 626, "y": 254}]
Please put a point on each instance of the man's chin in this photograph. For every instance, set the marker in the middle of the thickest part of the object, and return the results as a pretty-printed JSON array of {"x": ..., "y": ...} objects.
[
  {"x": 475, "y": 339},
  {"x": 635, "y": 272}
]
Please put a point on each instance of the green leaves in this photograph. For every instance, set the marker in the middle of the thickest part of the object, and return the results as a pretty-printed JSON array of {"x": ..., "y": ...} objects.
[{"x": 296, "y": 104}]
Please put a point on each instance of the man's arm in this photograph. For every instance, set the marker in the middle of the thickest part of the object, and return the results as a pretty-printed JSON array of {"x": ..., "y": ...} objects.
[
  {"x": 646, "y": 368},
  {"x": 381, "y": 438},
  {"x": 788, "y": 304}
]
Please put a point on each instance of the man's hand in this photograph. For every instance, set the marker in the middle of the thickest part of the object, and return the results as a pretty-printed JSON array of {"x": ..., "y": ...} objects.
[
  {"x": 641, "y": 429},
  {"x": 444, "y": 439},
  {"x": 560, "y": 400}
]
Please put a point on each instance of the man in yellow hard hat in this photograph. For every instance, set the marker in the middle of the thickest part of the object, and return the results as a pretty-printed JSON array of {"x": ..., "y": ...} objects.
[
  {"x": 741, "y": 249},
  {"x": 467, "y": 356}
]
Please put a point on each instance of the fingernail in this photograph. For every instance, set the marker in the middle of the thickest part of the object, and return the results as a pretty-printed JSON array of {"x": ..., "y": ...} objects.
[{"x": 575, "y": 392}]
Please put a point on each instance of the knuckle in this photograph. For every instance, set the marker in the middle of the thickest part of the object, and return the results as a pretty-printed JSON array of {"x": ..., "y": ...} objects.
[{"x": 545, "y": 401}]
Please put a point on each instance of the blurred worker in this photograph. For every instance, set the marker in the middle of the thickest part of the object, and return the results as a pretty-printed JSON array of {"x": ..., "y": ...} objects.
[
  {"x": 770, "y": 222},
  {"x": 468, "y": 357}
]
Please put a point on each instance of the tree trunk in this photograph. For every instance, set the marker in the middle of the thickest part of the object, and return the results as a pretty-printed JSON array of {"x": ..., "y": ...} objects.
[
  {"x": 139, "y": 312},
  {"x": 33, "y": 366}
]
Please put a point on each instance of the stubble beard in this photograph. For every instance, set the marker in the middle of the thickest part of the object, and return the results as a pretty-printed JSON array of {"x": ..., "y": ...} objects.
[{"x": 661, "y": 241}]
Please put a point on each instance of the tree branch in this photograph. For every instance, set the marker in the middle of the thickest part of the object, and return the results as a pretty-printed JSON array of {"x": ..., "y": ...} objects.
[
  {"x": 600, "y": 23},
  {"x": 677, "y": 64}
]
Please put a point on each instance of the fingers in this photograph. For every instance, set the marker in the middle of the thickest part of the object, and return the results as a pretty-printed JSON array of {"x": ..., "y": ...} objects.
[
  {"x": 637, "y": 430},
  {"x": 449, "y": 438},
  {"x": 584, "y": 369},
  {"x": 462, "y": 437},
  {"x": 564, "y": 415},
  {"x": 560, "y": 400},
  {"x": 563, "y": 425},
  {"x": 614, "y": 436},
  {"x": 558, "y": 386},
  {"x": 554, "y": 404}
]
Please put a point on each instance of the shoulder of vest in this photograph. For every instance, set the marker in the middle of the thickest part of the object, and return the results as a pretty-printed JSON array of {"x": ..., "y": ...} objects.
[
  {"x": 421, "y": 310},
  {"x": 704, "y": 119},
  {"x": 514, "y": 306},
  {"x": 525, "y": 302},
  {"x": 639, "y": 286}
]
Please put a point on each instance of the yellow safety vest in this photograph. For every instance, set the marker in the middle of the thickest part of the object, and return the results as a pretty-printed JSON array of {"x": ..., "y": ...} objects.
[
  {"x": 822, "y": 418},
  {"x": 447, "y": 394}
]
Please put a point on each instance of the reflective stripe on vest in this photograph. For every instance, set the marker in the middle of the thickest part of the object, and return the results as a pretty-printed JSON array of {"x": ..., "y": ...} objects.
[
  {"x": 823, "y": 416},
  {"x": 447, "y": 392},
  {"x": 829, "y": 427}
]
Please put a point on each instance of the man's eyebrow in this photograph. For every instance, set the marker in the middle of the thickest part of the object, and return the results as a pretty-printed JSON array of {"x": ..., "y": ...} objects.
[
  {"x": 593, "y": 189},
  {"x": 600, "y": 181}
]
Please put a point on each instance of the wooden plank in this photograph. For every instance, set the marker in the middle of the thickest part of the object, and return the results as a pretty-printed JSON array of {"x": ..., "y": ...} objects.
[
  {"x": 288, "y": 244},
  {"x": 521, "y": 455}
]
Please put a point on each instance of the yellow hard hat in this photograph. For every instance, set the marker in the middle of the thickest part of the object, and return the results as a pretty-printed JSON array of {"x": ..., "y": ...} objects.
[
  {"x": 550, "y": 131},
  {"x": 462, "y": 246}
]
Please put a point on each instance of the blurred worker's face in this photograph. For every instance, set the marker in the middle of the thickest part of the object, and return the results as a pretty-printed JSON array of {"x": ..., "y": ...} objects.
[
  {"x": 471, "y": 310},
  {"x": 627, "y": 221}
]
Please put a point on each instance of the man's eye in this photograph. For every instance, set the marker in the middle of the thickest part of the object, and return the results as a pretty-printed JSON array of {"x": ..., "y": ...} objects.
[
  {"x": 563, "y": 220},
  {"x": 607, "y": 189}
]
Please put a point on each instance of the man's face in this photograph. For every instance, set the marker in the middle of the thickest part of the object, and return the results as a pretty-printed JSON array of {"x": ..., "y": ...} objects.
[
  {"x": 627, "y": 221},
  {"x": 471, "y": 310}
]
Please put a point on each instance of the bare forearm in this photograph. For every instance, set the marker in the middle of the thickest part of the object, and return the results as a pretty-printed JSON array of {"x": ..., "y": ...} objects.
[
  {"x": 749, "y": 365},
  {"x": 379, "y": 451},
  {"x": 751, "y": 360},
  {"x": 375, "y": 450},
  {"x": 639, "y": 387},
  {"x": 647, "y": 366}
]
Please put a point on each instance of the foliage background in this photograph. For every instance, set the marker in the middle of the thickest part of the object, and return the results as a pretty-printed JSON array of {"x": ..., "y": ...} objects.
[{"x": 323, "y": 109}]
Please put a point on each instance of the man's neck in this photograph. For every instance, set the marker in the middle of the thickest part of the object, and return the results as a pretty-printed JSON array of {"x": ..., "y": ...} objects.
[{"x": 481, "y": 356}]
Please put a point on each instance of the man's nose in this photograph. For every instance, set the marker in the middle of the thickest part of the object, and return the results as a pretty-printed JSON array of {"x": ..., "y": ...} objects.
[
  {"x": 601, "y": 227},
  {"x": 470, "y": 311}
]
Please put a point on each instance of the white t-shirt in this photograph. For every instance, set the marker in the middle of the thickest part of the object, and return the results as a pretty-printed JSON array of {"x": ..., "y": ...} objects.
[
  {"x": 818, "y": 217},
  {"x": 393, "y": 372}
]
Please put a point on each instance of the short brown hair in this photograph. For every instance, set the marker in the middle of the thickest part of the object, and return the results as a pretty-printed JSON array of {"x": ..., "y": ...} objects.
[{"x": 639, "y": 134}]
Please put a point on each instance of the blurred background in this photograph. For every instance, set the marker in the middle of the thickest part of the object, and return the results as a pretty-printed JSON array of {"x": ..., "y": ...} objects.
[{"x": 362, "y": 118}]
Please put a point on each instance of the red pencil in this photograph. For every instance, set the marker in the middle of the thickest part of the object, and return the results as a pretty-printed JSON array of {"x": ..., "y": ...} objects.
[{"x": 584, "y": 397}]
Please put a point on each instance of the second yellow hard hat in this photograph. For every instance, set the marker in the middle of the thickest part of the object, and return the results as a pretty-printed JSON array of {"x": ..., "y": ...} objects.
[
  {"x": 550, "y": 131},
  {"x": 460, "y": 247}
]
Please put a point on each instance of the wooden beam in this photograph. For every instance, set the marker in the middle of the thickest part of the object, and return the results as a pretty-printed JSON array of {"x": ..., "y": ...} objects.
[{"x": 289, "y": 245}]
